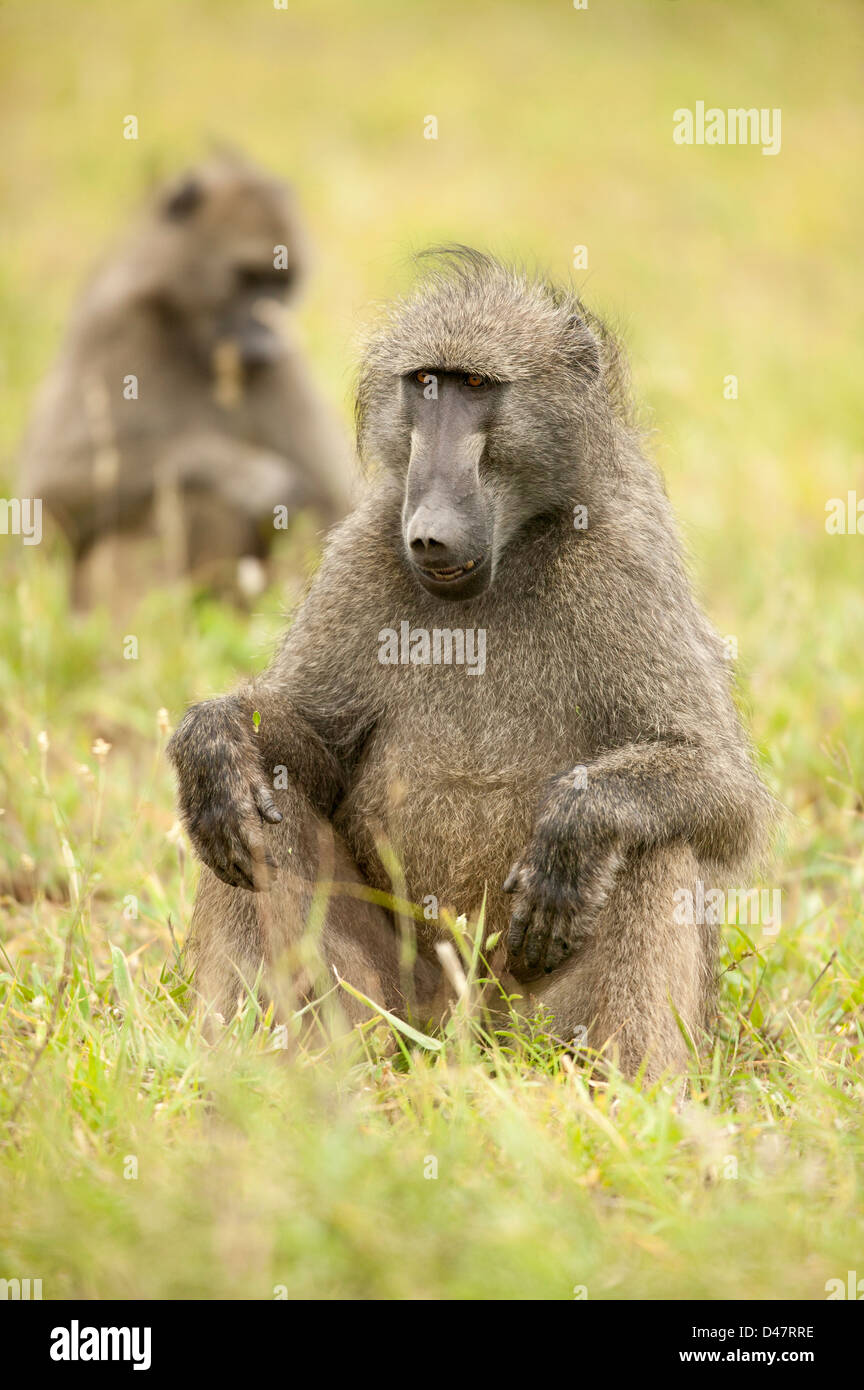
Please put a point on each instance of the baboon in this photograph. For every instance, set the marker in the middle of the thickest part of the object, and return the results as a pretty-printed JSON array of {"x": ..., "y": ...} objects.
[
  {"x": 179, "y": 410},
  {"x": 582, "y": 776}
]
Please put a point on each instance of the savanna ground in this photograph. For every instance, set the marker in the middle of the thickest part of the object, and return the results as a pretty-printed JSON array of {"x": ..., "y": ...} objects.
[{"x": 555, "y": 129}]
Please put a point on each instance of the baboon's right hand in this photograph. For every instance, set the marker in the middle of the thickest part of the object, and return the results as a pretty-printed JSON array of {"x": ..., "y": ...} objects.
[{"x": 225, "y": 800}]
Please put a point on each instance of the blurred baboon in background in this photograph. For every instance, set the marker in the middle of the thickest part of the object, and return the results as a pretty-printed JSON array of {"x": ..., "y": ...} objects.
[
  {"x": 586, "y": 776},
  {"x": 181, "y": 415}
]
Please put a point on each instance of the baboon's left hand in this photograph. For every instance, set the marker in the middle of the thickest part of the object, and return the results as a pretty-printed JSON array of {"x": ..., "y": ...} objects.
[{"x": 558, "y": 890}]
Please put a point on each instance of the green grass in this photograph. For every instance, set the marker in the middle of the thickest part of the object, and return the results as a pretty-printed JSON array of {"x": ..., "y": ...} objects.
[{"x": 255, "y": 1170}]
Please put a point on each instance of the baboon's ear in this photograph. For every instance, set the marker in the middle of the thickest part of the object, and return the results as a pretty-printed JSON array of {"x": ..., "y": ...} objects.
[
  {"x": 182, "y": 201},
  {"x": 583, "y": 349}
]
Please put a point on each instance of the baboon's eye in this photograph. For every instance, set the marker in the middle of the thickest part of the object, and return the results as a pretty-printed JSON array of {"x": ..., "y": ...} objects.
[
  {"x": 475, "y": 381},
  {"x": 422, "y": 376}
]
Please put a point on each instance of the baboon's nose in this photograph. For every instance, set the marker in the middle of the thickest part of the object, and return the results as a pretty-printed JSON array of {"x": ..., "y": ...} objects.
[
  {"x": 448, "y": 556},
  {"x": 429, "y": 535},
  {"x": 422, "y": 544}
]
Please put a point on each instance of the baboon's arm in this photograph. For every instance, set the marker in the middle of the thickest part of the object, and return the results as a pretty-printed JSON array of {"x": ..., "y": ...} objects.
[
  {"x": 672, "y": 789},
  {"x": 639, "y": 796},
  {"x": 252, "y": 480},
  {"x": 87, "y": 502},
  {"x": 314, "y": 713},
  {"x": 85, "y": 509}
]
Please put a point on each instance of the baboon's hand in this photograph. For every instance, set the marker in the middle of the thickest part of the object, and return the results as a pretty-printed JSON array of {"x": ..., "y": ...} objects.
[
  {"x": 558, "y": 890},
  {"x": 224, "y": 797}
]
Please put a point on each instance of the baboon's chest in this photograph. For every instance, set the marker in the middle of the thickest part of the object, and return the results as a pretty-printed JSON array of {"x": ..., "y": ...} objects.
[{"x": 450, "y": 778}]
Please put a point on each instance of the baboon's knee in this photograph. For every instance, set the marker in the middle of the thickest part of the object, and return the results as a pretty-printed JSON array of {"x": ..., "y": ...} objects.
[
  {"x": 643, "y": 980},
  {"x": 226, "y": 950},
  {"x": 314, "y": 931}
]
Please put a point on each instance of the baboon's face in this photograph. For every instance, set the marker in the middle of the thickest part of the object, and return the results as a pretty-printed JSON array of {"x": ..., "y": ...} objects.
[
  {"x": 448, "y": 516},
  {"x": 249, "y": 316},
  {"x": 236, "y": 265},
  {"x": 480, "y": 460},
  {"x": 483, "y": 395}
]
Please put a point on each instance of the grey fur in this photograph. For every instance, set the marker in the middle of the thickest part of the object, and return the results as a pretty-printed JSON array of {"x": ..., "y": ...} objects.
[
  {"x": 597, "y": 655},
  {"x": 202, "y": 457}
]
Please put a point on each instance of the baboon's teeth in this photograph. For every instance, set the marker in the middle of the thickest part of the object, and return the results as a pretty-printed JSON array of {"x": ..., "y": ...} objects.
[{"x": 447, "y": 575}]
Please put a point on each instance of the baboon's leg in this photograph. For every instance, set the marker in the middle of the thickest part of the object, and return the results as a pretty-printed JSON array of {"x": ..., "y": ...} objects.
[
  {"x": 637, "y": 969},
  {"x": 217, "y": 536},
  {"x": 312, "y": 926},
  {"x": 196, "y": 534}
]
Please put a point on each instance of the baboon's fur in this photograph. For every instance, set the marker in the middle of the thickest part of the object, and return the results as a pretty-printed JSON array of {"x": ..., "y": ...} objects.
[
  {"x": 597, "y": 655},
  {"x": 185, "y": 478}
]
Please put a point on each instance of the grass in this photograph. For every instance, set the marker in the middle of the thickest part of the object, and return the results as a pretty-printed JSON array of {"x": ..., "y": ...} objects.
[{"x": 257, "y": 1172}]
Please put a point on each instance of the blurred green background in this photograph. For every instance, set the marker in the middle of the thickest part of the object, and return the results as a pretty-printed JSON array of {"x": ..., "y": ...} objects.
[{"x": 554, "y": 131}]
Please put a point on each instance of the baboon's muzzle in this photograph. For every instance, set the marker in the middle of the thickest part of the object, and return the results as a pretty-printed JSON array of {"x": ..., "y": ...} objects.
[{"x": 445, "y": 518}]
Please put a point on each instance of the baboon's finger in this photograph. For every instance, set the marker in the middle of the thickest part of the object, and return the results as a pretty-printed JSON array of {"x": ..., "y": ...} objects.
[
  {"x": 243, "y": 879},
  {"x": 256, "y": 859},
  {"x": 266, "y": 805},
  {"x": 513, "y": 879},
  {"x": 537, "y": 938},
  {"x": 557, "y": 952},
  {"x": 519, "y": 922},
  {"x": 227, "y": 873},
  {"x": 263, "y": 871},
  {"x": 234, "y": 850},
  {"x": 594, "y": 880}
]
